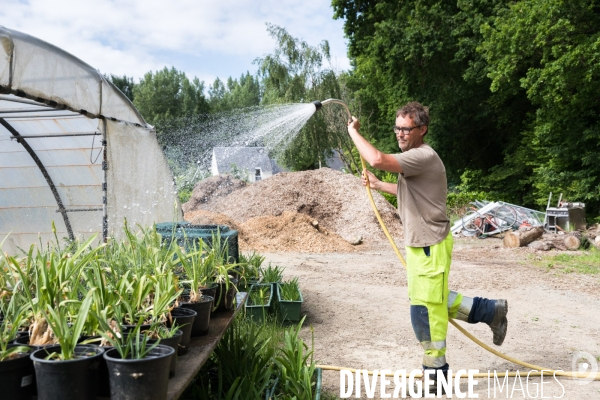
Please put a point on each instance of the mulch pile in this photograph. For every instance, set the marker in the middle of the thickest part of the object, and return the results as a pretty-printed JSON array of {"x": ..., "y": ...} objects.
[{"x": 310, "y": 211}]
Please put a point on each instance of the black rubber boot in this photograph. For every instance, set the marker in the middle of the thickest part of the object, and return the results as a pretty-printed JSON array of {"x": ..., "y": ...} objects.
[{"x": 499, "y": 324}]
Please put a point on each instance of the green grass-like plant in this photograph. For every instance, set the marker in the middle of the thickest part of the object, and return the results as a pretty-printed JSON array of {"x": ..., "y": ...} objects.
[
  {"x": 290, "y": 291},
  {"x": 272, "y": 274},
  {"x": 296, "y": 366},
  {"x": 67, "y": 332},
  {"x": 133, "y": 345},
  {"x": 8, "y": 331},
  {"x": 259, "y": 295}
]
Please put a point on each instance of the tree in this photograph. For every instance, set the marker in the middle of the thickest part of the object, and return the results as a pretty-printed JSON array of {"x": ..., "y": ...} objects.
[
  {"x": 423, "y": 50},
  {"x": 168, "y": 93},
  {"x": 237, "y": 94},
  {"x": 550, "y": 50},
  {"x": 124, "y": 83}
]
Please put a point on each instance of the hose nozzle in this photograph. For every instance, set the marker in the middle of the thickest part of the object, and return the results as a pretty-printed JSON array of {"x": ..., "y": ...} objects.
[{"x": 319, "y": 104}]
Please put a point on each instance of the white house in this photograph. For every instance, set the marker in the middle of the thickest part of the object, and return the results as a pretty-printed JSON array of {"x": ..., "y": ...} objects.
[{"x": 254, "y": 161}]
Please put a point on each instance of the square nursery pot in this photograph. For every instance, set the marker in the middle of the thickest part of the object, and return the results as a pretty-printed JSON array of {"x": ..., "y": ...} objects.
[
  {"x": 258, "y": 312},
  {"x": 289, "y": 310}
]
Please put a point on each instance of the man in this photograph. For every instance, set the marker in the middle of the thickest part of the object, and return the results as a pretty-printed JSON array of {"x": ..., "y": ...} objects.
[{"x": 421, "y": 192}]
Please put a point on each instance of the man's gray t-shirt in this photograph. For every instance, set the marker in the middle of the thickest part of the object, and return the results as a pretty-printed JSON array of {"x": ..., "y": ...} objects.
[{"x": 422, "y": 190}]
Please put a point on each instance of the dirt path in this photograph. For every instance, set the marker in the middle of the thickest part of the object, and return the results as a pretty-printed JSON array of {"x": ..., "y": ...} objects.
[{"x": 357, "y": 303}]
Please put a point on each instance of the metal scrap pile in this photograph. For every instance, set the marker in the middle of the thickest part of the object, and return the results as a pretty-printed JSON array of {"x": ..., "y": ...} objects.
[{"x": 491, "y": 218}]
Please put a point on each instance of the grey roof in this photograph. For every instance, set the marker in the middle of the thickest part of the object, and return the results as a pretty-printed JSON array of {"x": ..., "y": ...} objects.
[{"x": 245, "y": 158}]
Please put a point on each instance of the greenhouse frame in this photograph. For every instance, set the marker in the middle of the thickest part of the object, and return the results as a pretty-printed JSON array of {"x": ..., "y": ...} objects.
[{"x": 74, "y": 151}]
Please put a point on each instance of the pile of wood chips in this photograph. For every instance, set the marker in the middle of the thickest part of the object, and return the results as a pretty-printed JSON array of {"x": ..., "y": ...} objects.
[{"x": 310, "y": 211}]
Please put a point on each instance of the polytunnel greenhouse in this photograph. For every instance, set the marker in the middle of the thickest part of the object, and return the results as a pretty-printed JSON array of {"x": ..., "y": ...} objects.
[{"x": 73, "y": 150}]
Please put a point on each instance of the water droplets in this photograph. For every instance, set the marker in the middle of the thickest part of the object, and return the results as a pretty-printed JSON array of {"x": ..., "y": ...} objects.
[{"x": 189, "y": 142}]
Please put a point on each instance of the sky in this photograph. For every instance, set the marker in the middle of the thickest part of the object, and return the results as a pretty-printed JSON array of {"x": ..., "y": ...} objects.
[{"x": 203, "y": 38}]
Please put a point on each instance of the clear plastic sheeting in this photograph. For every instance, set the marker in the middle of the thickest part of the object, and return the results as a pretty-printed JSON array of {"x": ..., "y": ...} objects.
[
  {"x": 141, "y": 181},
  {"x": 73, "y": 151},
  {"x": 40, "y": 71}
]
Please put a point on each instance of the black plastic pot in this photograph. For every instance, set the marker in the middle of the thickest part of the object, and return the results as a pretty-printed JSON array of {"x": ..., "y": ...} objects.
[
  {"x": 19, "y": 335},
  {"x": 225, "y": 298},
  {"x": 16, "y": 377},
  {"x": 184, "y": 318},
  {"x": 103, "y": 389},
  {"x": 126, "y": 328},
  {"x": 24, "y": 341},
  {"x": 210, "y": 291},
  {"x": 172, "y": 342},
  {"x": 202, "y": 320},
  {"x": 67, "y": 379},
  {"x": 146, "y": 378}
]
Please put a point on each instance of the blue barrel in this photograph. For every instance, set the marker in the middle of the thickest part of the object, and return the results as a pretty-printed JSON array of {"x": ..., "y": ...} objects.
[{"x": 185, "y": 234}]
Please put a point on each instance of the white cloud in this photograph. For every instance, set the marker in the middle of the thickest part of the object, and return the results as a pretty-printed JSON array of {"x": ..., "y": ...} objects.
[{"x": 202, "y": 38}]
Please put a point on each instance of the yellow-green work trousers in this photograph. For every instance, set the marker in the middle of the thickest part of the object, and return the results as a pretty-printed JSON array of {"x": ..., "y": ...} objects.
[{"x": 431, "y": 302}]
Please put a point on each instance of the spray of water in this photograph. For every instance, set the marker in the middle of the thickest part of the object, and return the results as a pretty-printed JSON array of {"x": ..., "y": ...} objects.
[{"x": 188, "y": 142}]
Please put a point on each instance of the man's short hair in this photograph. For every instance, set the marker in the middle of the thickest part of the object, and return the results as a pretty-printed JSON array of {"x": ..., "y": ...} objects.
[{"x": 418, "y": 113}]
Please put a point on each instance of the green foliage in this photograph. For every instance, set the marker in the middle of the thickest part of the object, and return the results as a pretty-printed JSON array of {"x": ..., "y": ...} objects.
[
  {"x": 64, "y": 329},
  {"x": 124, "y": 83},
  {"x": 512, "y": 88},
  {"x": 272, "y": 273},
  {"x": 245, "y": 361},
  {"x": 8, "y": 331},
  {"x": 296, "y": 366},
  {"x": 133, "y": 345},
  {"x": 259, "y": 295},
  {"x": 168, "y": 93},
  {"x": 290, "y": 291},
  {"x": 549, "y": 50},
  {"x": 390, "y": 178},
  {"x": 236, "y": 94}
]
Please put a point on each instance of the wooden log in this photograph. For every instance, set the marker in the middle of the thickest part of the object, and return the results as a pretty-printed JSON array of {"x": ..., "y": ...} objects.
[
  {"x": 541, "y": 245},
  {"x": 572, "y": 242},
  {"x": 522, "y": 237}
]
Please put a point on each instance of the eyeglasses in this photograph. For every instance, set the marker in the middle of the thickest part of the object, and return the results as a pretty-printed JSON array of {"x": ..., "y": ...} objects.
[{"x": 404, "y": 131}]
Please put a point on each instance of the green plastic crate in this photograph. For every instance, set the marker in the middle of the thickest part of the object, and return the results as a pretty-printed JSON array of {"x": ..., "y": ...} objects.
[
  {"x": 258, "y": 312},
  {"x": 289, "y": 310}
]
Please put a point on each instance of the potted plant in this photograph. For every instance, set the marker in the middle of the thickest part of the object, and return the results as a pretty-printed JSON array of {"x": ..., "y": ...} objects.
[
  {"x": 290, "y": 300},
  {"x": 137, "y": 369},
  {"x": 184, "y": 319},
  {"x": 194, "y": 267},
  {"x": 272, "y": 274},
  {"x": 168, "y": 337},
  {"x": 16, "y": 368},
  {"x": 249, "y": 270},
  {"x": 47, "y": 278},
  {"x": 67, "y": 371},
  {"x": 259, "y": 301},
  {"x": 223, "y": 274}
]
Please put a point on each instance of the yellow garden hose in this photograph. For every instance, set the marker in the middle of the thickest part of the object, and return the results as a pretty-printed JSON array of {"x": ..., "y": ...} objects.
[{"x": 571, "y": 374}]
